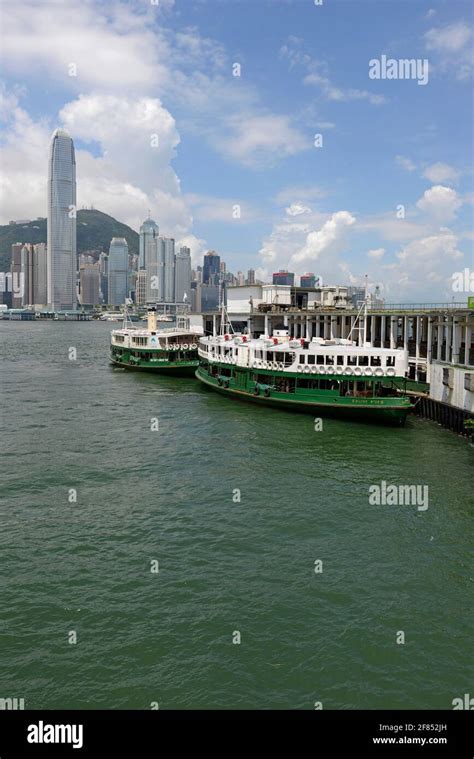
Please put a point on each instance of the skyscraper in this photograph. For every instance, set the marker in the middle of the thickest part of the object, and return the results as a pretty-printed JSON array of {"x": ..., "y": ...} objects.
[
  {"x": 169, "y": 260},
  {"x": 211, "y": 271},
  {"x": 89, "y": 278},
  {"x": 118, "y": 271},
  {"x": 148, "y": 232},
  {"x": 40, "y": 275},
  {"x": 61, "y": 249},
  {"x": 183, "y": 275},
  {"x": 17, "y": 286},
  {"x": 251, "y": 277}
]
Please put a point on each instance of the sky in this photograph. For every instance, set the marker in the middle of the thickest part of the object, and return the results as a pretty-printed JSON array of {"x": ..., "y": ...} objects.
[{"x": 261, "y": 129}]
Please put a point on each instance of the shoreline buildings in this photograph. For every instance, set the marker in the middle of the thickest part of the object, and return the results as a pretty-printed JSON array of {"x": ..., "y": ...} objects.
[
  {"x": 61, "y": 235},
  {"x": 164, "y": 276}
]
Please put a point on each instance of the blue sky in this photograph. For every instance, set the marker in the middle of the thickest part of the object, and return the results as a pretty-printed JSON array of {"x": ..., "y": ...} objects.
[{"x": 143, "y": 69}]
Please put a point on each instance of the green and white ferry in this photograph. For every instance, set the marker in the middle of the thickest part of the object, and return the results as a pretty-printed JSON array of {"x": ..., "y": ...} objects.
[
  {"x": 322, "y": 377},
  {"x": 169, "y": 350}
]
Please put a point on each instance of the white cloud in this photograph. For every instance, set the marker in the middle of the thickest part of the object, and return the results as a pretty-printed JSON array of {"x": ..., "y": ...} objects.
[
  {"x": 297, "y": 209},
  {"x": 113, "y": 48},
  {"x": 440, "y": 203},
  {"x": 127, "y": 178},
  {"x": 405, "y": 163},
  {"x": 227, "y": 210},
  {"x": 441, "y": 172},
  {"x": 427, "y": 263},
  {"x": 450, "y": 38},
  {"x": 453, "y": 46},
  {"x": 120, "y": 49},
  {"x": 317, "y": 73},
  {"x": 323, "y": 240},
  {"x": 301, "y": 192},
  {"x": 259, "y": 140},
  {"x": 376, "y": 253}
]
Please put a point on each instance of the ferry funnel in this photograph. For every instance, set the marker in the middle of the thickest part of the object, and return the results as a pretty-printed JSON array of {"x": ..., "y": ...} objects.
[{"x": 152, "y": 319}]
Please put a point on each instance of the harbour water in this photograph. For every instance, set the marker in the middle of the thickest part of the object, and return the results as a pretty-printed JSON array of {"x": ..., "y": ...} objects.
[{"x": 236, "y": 504}]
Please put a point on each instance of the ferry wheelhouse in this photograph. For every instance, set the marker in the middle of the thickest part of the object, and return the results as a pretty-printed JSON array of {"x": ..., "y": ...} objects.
[
  {"x": 167, "y": 350},
  {"x": 328, "y": 377}
]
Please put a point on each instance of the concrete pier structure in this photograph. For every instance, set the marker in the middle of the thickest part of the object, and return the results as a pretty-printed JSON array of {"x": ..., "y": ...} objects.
[{"x": 436, "y": 335}]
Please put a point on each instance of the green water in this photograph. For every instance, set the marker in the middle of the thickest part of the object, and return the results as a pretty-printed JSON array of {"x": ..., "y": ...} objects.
[{"x": 224, "y": 566}]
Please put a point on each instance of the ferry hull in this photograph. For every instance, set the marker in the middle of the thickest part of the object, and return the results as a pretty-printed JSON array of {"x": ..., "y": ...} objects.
[
  {"x": 184, "y": 369},
  {"x": 392, "y": 413}
]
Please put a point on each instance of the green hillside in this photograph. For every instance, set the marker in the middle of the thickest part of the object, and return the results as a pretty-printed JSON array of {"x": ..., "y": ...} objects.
[{"x": 94, "y": 232}]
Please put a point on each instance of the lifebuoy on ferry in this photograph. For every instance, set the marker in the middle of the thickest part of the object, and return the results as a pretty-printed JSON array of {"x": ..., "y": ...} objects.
[
  {"x": 379, "y": 372},
  {"x": 322, "y": 369},
  {"x": 226, "y": 337},
  {"x": 391, "y": 372},
  {"x": 357, "y": 371},
  {"x": 185, "y": 347},
  {"x": 280, "y": 367},
  {"x": 348, "y": 371},
  {"x": 339, "y": 370},
  {"x": 306, "y": 369},
  {"x": 368, "y": 372},
  {"x": 193, "y": 346},
  {"x": 300, "y": 368},
  {"x": 314, "y": 369}
]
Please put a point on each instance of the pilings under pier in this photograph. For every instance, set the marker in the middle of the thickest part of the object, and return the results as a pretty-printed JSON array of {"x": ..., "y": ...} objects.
[{"x": 456, "y": 419}]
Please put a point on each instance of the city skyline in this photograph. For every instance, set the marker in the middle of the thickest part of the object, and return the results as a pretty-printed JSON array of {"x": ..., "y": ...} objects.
[{"x": 280, "y": 154}]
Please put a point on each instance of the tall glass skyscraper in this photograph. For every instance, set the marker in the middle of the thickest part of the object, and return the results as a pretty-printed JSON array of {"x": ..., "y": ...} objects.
[
  {"x": 61, "y": 251},
  {"x": 149, "y": 231},
  {"x": 212, "y": 268},
  {"x": 118, "y": 271}
]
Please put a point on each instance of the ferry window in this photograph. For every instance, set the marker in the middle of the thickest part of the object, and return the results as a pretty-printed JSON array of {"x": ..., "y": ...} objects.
[
  {"x": 390, "y": 360},
  {"x": 363, "y": 360},
  {"x": 311, "y": 359},
  {"x": 302, "y": 358},
  {"x": 351, "y": 360},
  {"x": 307, "y": 384},
  {"x": 330, "y": 360},
  {"x": 375, "y": 361},
  {"x": 340, "y": 360},
  {"x": 119, "y": 338},
  {"x": 320, "y": 359}
]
